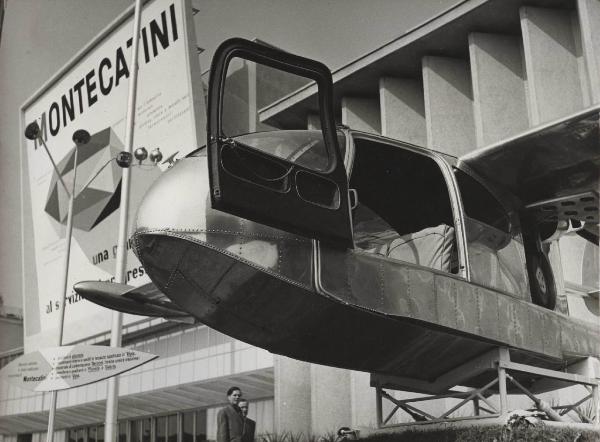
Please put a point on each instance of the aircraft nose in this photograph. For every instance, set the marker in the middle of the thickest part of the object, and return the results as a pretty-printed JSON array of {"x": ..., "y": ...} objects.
[
  {"x": 176, "y": 226},
  {"x": 173, "y": 208},
  {"x": 177, "y": 201}
]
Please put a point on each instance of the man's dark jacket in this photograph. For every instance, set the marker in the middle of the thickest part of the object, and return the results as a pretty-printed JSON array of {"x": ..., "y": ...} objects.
[
  {"x": 249, "y": 429},
  {"x": 230, "y": 424}
]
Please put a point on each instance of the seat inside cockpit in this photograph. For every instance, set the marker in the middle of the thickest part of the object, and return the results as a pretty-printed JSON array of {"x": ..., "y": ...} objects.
[{"x": 403, "y": 210}]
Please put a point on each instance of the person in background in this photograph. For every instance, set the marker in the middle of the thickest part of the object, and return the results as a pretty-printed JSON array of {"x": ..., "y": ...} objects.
[
  {"x": 249, "y": 425},
  {"x": 230, "y": 421}
]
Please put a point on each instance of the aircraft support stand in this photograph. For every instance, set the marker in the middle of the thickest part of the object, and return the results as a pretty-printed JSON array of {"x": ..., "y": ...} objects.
[
  {"x": 596, "y": 401},
  {"x": 490, "y": 378},
  {"x": 502, "y": 392}
]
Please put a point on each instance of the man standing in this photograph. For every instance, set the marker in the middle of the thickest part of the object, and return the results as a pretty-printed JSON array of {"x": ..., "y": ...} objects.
[
  {"x": 230, "y": 422},
  {"x": 249, "y": 425}
]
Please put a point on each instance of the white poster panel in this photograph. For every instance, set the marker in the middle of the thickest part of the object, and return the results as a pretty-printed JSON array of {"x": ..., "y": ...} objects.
[
  {"x": 70, "y": 366},
  {"x": 91, "y": 93}
]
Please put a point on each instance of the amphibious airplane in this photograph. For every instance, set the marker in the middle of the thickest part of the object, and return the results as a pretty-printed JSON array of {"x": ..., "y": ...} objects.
[{"x": 353, "y": 250}]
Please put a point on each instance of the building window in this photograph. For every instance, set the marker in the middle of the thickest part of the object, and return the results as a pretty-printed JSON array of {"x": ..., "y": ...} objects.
[
  {"x": 92, "y": 434},
  {"x": 166, "y": 428},
  {"x": 140, "y": 430},
  {"x": 100, "y": 433},
  {"x": 201, "y": 426},
  {"x": 161, "y": 430},
  {"x": 146, "y": 430},
  {"x": 82, "y": 435},
  {"x": 123, "y": 431},
  {"x": 172, "y": 429},
  {"x": 187, "y": 426},
  {"x": 193, "y": 424}
]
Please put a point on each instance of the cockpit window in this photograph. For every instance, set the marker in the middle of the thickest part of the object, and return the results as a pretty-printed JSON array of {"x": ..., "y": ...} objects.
[
  {"x": 480, "y": 204},
  {"x": 302, "y": 147},
  {"x": 496, "y": 254},
  {"x": 403, "y": 209},
  {"x": 248, "y": 92},
  {"x": 249, "y": 88}
]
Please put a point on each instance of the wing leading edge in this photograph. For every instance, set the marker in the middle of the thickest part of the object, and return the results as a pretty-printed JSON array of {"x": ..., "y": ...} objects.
[
  {"x": 553, "y": 169},
  {"x": 145, "y": 300}
]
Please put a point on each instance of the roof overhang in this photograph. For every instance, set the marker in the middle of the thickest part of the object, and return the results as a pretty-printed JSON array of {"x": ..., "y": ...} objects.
[
  {"x": 256, "y": 385},
  {"x": 445, "y": 34}
]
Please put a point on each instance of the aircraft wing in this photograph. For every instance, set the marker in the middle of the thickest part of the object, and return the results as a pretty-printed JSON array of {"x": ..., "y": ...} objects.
[
  {"x": 145, "y": 300},
  {"x": 553, "y": 169}
]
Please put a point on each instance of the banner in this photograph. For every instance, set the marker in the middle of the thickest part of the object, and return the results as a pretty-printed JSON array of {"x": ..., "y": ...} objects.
[
  {"x": 60, "y": 368},
  {"x": 91, "y": 93}
]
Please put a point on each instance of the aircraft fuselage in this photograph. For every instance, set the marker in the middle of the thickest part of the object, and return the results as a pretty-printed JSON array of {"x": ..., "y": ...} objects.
[{"x": 342, "y": 307}]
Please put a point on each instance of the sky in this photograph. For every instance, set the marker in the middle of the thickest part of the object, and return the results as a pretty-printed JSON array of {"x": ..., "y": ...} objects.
[{"x": 40, "y": 36}]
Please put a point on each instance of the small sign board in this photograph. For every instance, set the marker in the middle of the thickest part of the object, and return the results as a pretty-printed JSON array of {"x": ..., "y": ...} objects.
[{"x": 59, "y": 368}]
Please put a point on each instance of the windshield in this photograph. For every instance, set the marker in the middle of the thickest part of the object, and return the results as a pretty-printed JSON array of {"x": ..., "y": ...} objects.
[
  {"x": 496, "y": 253},
  {"x": 248, "y": 92},
  {"x": 250, "y": 88},
  {"x": 303, "y": 147}
]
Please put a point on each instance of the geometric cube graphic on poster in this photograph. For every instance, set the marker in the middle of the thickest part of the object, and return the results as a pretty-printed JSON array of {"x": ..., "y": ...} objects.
[{"x": 102, "y": 197}]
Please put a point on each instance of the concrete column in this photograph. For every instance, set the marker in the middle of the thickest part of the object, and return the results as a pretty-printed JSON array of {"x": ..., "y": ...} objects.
[
  {"x": 589, "y": 17},
  {"x": 402, "y": 110},
  {"x": 361, "y": 114},
  {"x": 590, "y": 367},
  {"x": 499, "y": 100},
  {"x": 554, "y": 82},
  {"x": 292, "y": 402},
  {"x": 331, "y": 399},
  {"x": 503, "y": 355},
  {"x": 364, "y": 404},
  {"x": 448, "y": 105}
]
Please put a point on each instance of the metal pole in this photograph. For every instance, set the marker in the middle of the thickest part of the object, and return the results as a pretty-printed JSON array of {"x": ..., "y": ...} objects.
[
  {"x": 61, "y": 324},
  {"x": 540, "y": 404},
  {"x": 112, "y": 397},
  {"x": 502, "y": 390},
  {"x": 595, "y": 376},
  {"x": 596, "y": 404},
  {"x": 60, "y": 178},
  {"x": 379, "y": 405}
]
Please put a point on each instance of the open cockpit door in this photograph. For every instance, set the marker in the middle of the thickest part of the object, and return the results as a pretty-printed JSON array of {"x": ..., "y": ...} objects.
[{"x": 293, "y": 180}]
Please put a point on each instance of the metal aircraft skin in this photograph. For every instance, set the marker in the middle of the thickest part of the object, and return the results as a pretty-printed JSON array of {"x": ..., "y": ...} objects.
[{"x": 357, "y": 251}]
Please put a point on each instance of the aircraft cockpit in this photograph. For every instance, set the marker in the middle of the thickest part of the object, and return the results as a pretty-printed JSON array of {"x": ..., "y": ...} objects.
[{"x": 378, "y": 196}]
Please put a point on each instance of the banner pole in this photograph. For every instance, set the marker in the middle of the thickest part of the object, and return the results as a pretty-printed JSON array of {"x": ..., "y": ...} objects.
[
  {"x": 112, "y": 397},
  {"x": 63, "y": 302},
  {"x": 80, "y": 137}
]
